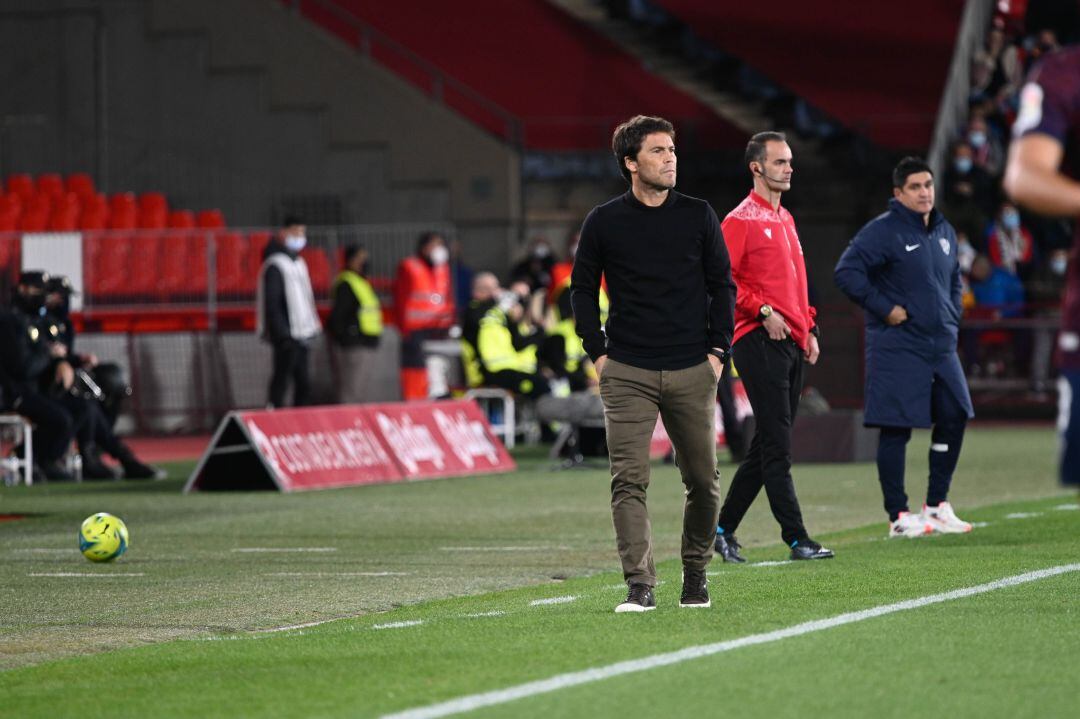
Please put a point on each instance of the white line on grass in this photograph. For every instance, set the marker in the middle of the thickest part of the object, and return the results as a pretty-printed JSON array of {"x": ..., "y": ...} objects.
[
  {"x": 252, "y": 550},
  {"x": 533, "y": 548},
  {"x": 290, "y": 627},
  {"x": 337, "y": 574},
  {"x": 552, "y": 600},
  {"x": 979, "y": 525},
  {"x": 398, "y": 625},
  {"x": 587, "y": 676},
  {"x": 481, "y": 615},
  {"x": 86, "y": 574},
  {"x": 1023, "y": 515},
  {"x": 1067, "y": 507}
]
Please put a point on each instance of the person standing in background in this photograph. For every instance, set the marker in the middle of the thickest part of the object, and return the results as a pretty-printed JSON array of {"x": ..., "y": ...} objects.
[
  {"x": 286, "y": 316},
  {"x": 424, "y": 306},
  {"x": 355, "y": 326}
]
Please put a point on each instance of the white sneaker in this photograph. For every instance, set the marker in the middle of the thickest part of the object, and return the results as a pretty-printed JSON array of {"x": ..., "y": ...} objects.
[
  {"x": 943, "y": 519},
  {"x": 909, "y": 525}
]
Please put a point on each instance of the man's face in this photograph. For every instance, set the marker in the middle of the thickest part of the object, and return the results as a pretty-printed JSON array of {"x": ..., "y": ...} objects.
[
  {"x": 917, "y": 194},
  {"x": 485, "y": 287},
  {"x": 655, "y": 163},
  {"x": 776, "y": 170}
]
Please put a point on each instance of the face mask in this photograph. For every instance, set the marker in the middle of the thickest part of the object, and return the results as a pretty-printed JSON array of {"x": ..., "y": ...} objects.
[
  {"x": 1011, "y": 220},
  {"x": 439, "y": 256},
  {"x": 1059, "y": 264},
  {"x": 962, "y": 165},
  {"x": 541, "y": 251},
  {"x": 977, "y": 138},
  {"x": 295, "y": 243}
]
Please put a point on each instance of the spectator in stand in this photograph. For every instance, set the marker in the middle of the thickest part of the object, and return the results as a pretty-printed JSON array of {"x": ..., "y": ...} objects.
[
  {"x": 996, "y": 289},
  {"x": 424, "y": 306},
  {"x": 462, "y": 279},
  {"x": 969, "y": 193},
  {"x": 996, "y": 67},
  {"x": 536, "y": 268},
  {"x": 354, "y": 326},
  {"x": 286, "y": 316},
  {"x": 986, "y": 148},
  {"x": 1010, "y": 245}
]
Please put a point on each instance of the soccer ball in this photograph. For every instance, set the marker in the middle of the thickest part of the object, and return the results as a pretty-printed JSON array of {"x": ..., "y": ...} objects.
[{"x": 103, "y": 537}]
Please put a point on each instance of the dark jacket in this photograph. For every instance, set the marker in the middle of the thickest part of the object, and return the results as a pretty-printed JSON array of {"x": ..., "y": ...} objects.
[
  {"x": 342, "y": 325},
  {"x": 275, "y": 304},
  {"x": 895, "y": 259},
  {"x": 24, "y": 354}
]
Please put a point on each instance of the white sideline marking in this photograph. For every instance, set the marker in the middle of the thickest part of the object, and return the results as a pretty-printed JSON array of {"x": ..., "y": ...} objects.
[
  {"x": 552, "y": 600},
  {"x": 290, "y": 627},
  {"x": 1067, "y": 507},
  {"x": 86, "y": 574},
  {"x": 533, "y": 548},
  {"x": 771, "y": 564},
  {"x": 977, "y": 525},
  {"x": 587, "y": 676},
  {"x": 398, "y": 625},
  {"x": 480, "y": 615},
  {"x": 284, "y": 549},
  {"x": 1023, "y": 515},
  {"x": 337, "y": 574}
]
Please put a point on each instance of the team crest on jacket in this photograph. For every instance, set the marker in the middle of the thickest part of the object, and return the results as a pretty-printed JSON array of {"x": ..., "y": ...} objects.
[{"x": 944, "y": 242}]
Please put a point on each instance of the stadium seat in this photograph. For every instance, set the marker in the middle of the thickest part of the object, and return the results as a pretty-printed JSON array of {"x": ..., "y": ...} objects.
[
  {"x": 153, "y": 211},
  {"x": 181, "y": 219},
  {"x": 66, "y": 213},
  {"x": 107, "y": 259},
  {"x": 234, "y": 280},
  {"x": 319, "y": 269},
  {"x": 143, "y": 273},
  {"x": 123, "y": 212},
  {"x": 211, "y": 219},
  {"x": 50, "y": 184},
  {"x": 21, "y": 185},
  {"x": 257, "y": 242},
  {"x": 95, "y": 212},
  {"x": 183, "y": 275},
  {"x": 81, "y": 184}
]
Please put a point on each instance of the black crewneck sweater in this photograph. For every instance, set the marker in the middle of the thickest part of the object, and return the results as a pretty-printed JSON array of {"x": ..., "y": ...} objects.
[{"x": 668, "y": 278}]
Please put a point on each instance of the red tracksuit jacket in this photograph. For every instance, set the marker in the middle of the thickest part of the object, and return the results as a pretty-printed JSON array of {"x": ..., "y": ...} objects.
[{"x": 767, "y": 266}]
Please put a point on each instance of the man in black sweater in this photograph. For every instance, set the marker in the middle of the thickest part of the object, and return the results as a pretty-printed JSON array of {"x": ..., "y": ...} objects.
[{"x": 662, "y": 351}]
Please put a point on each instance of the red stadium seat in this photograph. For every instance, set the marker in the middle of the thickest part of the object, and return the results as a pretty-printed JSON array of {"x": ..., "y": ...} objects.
[
  {"x": 319, "y": 269},
  {"x": 123, "y": 214},
  {"x": 10, "y": 248},
  {"x": 122, "y": 201},
  {"x": 80, "y": 183},
  {"x": 212, "y": 219},
  {"x": 181, "y": 219},
  {"x": 153, "y": 211},
  {"x": 21, "y": 185},
  {"x": 257, "y": 242},
  {"x": 11, "y": 204},
  {"x": 143, "y": 273},
  {"x": 107, "y": 259},
  {"x": 66, "y": 213},
  {"x": 9, "y": 221},
  {"x": 50, "y": 184},
  {"x": 234, "y": 279},
  {"x": 34, "y": 221},
  {"x": 183, "y": 266}
]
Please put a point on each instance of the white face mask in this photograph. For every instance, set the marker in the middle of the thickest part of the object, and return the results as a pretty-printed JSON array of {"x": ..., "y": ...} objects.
[
  {"x": 295, "y": 243},
  {"x": 439, "y": 255}
]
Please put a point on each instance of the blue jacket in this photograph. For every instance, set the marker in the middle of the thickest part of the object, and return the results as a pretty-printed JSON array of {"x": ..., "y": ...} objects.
[{"x": 896, "y": 259}]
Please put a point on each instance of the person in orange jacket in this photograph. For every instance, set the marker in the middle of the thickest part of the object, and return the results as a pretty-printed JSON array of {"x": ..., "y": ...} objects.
[{"x": 424, "y": 307}]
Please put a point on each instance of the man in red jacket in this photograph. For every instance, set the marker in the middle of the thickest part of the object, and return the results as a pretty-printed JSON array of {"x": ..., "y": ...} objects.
[
  {"x": 775, "y": 335},
  {"x": 424, "y": 306}
]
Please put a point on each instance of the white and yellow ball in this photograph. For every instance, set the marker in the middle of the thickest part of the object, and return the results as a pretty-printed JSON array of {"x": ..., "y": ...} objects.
[{"x": 103, "y": 537}]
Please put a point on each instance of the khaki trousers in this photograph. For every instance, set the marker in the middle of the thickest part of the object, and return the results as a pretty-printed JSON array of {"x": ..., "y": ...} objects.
[{"x": 686, "y": 400}]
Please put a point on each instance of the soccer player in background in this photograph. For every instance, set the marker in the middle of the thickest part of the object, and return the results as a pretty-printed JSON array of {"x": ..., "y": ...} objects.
[
  {"x": 662, "y": 349},
  {"x": 775, "y": 335},
  {"x": 1041, "y": 175},
  {"x": 902, "y": 269}
]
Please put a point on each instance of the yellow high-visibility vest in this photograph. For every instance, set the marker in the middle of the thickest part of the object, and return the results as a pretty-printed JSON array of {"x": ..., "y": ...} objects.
[{"x": 370, "y": 313}]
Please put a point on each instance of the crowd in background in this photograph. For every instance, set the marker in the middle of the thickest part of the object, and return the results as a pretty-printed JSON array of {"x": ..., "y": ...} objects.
[{"x": 1013, "y": 263}]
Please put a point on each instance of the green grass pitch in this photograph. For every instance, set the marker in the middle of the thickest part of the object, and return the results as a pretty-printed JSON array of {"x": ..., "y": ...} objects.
[{"x": 454, "y": 588}]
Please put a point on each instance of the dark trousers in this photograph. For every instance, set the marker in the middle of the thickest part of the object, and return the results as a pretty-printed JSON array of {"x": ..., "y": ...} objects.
[
  {"x": 95, "y": 429},
  {"x": 950, "y": 419},
  {"x": 290, "y": 362},
  {"x": 772, "y": 373},
  {"x": 1069, "y": 426},
  {"x": 54, "y": 426}
]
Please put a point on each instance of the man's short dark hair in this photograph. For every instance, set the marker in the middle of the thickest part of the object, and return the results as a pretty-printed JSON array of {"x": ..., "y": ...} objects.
[
  {"x": 627, "y": 139},
  {"x": 907, "y": 167},
  {"x": 755, "y": 149},
  {"x": 292, "y": 221},
  {"x": 425, "y": 238},
  {"x": 352, "y": 251}
]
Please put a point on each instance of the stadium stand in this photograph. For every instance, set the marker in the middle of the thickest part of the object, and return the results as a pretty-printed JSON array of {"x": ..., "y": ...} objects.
[
  {"x": 562, "y": 107},
  {"x": 828, "y": 65}
]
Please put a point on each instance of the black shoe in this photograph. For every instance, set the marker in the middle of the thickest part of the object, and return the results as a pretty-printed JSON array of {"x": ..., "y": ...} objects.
[
  {"x": 639, "y": 599},
  {"x": 94, "y": 468},
  {"x": 55, "y": 472},
  {"x": 134, "y": 469},
  {"x": 695, "y": 589},
  {"x": 809, "y": 549},
  {"x": 728, "y": 548}
]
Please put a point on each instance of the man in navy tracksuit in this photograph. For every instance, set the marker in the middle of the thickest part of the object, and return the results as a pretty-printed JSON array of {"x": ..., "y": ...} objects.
[{"x": 902, "y": 269}]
